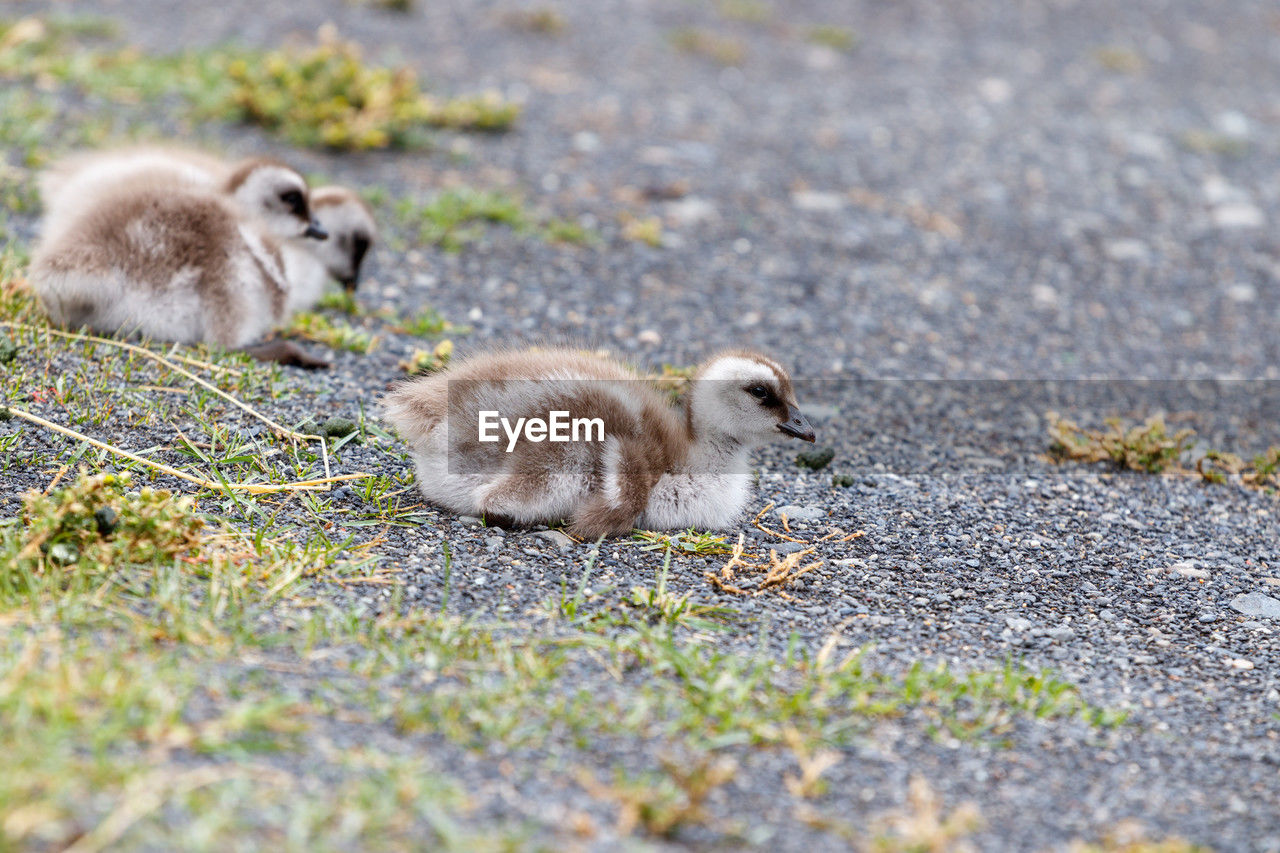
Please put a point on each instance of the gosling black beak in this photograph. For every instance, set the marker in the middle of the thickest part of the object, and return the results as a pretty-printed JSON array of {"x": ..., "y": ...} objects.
[
  {"x": 350, "y": 284},
  {"x": 796, "y": 425},
  {"x": 315, "y": 231}
]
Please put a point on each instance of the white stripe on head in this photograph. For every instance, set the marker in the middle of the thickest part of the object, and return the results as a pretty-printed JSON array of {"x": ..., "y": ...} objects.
[{"x": 736, "y": 368}]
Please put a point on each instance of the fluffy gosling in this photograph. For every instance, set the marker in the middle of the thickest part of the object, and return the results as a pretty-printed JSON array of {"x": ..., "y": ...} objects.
[
  {"x": 70, "y": 184},
  {"x": 647, "y": 465},
  {"x": 174, "y": 260},
  {"x": 348, "y": 220}
]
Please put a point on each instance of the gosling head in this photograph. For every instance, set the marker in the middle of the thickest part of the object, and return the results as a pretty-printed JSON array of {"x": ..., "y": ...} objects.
[
  {"x": 352, "y": 232},
  {"x": 276, "y": 196},
  {"x": 747, "y": 398}
]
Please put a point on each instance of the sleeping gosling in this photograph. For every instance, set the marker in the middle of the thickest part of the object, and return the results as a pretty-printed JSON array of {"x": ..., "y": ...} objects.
[
  {"x": 348, "y": 220},
  {"x": 644, "y": 465},
  {"x": 72, "y": 183},
  {"x": 175, "y": 261}
]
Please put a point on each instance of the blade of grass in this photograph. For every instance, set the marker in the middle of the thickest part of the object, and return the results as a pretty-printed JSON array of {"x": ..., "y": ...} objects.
[{"x": 253, "y": 488}]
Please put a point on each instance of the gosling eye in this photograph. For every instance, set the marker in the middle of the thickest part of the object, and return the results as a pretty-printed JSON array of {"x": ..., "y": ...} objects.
[
  {"x": 758, "y": 391},
  {"x": 294, "y": 201}
]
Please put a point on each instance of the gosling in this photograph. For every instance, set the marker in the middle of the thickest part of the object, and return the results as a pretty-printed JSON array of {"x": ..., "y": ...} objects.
[
  {"x": 70, "y": 184},
  {"x": 172, "y": 260},
  {"x": 348, "y": 220},
  {"x": 647, "y": 465}
]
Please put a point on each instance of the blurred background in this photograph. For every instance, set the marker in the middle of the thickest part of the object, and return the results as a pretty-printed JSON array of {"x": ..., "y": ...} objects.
[{"x": 870, "y": 189}]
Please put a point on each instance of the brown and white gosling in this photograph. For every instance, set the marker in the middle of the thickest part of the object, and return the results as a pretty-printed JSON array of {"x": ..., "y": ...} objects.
[
  {"x": 174, "y": 260},
  {"x": 352, "y": 231},
  {"x": 73, "y": 182},
  {"x": 646, "y": 464}
]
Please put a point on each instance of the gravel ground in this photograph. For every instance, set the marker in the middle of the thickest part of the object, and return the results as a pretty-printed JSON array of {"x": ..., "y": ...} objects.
[{"x": 980, "y": 191}]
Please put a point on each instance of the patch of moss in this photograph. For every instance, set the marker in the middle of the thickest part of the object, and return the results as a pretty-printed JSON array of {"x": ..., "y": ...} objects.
[
  {"x": 1118, "y": 59},
  {"x": 338, "y": 335},
  {"x": 428, "y": 361},
  {"x": 647, "y": 229},
  {"x": 97, "y": 521},
  {"x": 816, "y": 459},
  {"x": 322, "y": 95},
  {"x": 457, "y": 217},
  {"x": 326, "y": 96},
  {"x": 842, "y": 39},
  {"x": 1147, "y": 447}
]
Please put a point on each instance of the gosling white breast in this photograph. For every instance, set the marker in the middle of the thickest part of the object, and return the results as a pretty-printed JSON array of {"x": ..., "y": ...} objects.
[{"x": 481, "y": 434}]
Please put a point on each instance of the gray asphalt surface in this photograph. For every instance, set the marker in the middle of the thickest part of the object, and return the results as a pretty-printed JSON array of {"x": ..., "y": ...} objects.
[{"x": 978, "y": 191}]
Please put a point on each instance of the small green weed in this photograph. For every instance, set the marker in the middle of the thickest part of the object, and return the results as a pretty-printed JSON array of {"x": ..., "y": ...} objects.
[
  {"x": 427, "y": 323},
  {"x": 326, "y": 96},
  {"x": 1148, "y": 447},
  {"x": 642, "y": 229},
  {"x": 842, "y": 39},
  {"x": 1218, "y": 466},
  {"x": 96, "y": 523},
  {"x": 1120, "y": 60},
  {"x": 455, "y": 218},
  {"x": 658, "y": 605},
  {"x": 569, "y": 606},
  {"x": 335, "y": 334},
  {"x": 685, "y": 542},
  {"x": 569, "y": 232},
  {"x": 663, "y": 803},
  {"x": 422, "y": 361},
  {"x": 342, "y": 301},
  {"x": 1213, "y": 142}
]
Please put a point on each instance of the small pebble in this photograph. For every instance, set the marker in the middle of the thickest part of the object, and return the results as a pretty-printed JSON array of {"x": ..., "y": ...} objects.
[
  {"x": 1257, "y": 604},
  {"x": 800, "y": 513}
]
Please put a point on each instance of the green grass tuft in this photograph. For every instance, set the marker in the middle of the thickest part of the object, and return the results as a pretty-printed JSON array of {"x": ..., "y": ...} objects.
[
  {"x": 1148, "y": 447},
  {"x": 685, "y": 542},
  {"x": 338, "y": 335},
  {"x": 96, "y": 523},
  {"x": 325, "y": 96},
  {"x": 842, "y": 39}
]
